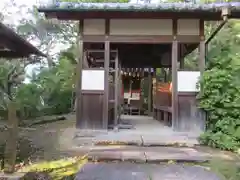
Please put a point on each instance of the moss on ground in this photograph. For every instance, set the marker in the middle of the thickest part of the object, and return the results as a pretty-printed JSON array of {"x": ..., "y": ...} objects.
[{"x": 229, "y": 169}]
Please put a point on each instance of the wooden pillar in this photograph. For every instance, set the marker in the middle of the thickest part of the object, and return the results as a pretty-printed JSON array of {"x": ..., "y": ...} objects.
[
  {"x": 80, "y": 55},
  {"x": 120, "y": 87},
  {"x": 149, "y": 91},
  {"x": 106, "y": 75},
  {"x": 174, "y": 84},
  {"x": 116, "y": 95},
  {"x": 141, "y": 75},
  {"x": 154, "y": 95},
  {"x": 174, "y": 77},
  {"x": 201, "y": 63},
  {"x": 11, "y": 142}
]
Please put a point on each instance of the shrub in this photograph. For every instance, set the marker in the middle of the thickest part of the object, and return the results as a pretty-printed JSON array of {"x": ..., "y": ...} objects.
[{"x": 220, "y": 98}]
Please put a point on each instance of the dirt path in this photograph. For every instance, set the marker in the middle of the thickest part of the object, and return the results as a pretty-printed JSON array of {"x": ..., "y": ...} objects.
[{"x": 47, "y": 141}]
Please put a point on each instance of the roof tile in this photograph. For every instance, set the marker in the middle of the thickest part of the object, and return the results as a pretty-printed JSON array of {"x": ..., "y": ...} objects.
[{"x": 78, "y": 6}]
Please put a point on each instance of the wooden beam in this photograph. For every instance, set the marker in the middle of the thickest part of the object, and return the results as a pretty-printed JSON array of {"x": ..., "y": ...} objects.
[
  {"x": 65, "y": 15},
  {"x": 12, "y": 54},
  {"x": 154, "y": 39},
  {"x": 9, "y": 44},
  {"x": 149, "y": 91},
  {"x": 120, "y": 85},
  {"x": 201, "y": 26},
  {"x": 155, "y": 92},
  {"x": 100, "y": 51},
  {"x": 106, "y": 75},
  {"x": 174, "y": 85},
  {"x": 80, "y": 56},
  {"x": 174, "y": 80},
  {"x": 116, "y": 88},
  {"x": 219, "y": 27},
  {"x": 175, "y": 29},
  {"x": 202, "y": 55}
]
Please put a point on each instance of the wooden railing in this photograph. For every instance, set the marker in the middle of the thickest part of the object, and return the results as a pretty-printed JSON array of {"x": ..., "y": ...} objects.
[{"x": 162, "y": 102}]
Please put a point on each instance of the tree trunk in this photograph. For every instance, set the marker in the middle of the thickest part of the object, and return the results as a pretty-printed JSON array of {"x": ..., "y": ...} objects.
[{"x": 50, "y": 61}]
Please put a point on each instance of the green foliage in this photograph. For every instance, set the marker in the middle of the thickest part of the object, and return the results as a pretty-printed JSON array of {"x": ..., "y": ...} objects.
[
  {"x": 29, "y": 101},
  {"x": 52, "y": 89},
  {"x": 49, "y": 92},
  {"x": 220, "y": 98}
]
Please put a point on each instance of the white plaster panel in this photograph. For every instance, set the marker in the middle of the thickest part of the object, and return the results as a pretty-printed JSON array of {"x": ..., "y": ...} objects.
[
  {"x": 188, "y": 80},
  {"x": 140, "y": 27},
  {"x": 94, "y": 27},
  {"x": 188, "y": 27},
  {"x": 87, "y": 79}
]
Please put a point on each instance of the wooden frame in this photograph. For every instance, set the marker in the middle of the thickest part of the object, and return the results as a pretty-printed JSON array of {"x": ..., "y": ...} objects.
[
  {"x": 107, "y": 39},
  {"x": 149, "y": 91},
  {"x": 116, "y": 79},
  {"x": 174, "y": 12},
  {"x": 142, "y": 39},
  {"x": 80, "y": 57},
  {"x": 106, "y": 69}
]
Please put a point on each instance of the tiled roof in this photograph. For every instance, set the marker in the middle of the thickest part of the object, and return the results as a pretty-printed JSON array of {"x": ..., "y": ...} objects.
[{"x": 157, "y": 7}]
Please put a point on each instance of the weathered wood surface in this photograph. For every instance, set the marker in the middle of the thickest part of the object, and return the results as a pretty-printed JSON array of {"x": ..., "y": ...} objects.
[
  {"x": 162, "y": 107},
  {"x": 191, "y": 118},
  {"x": 92, "y": 109}
]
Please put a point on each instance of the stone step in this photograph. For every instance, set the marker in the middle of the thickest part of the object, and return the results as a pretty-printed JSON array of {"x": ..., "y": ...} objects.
[
  {"x": 145, "y": 140},
  {"x": 137, "y": 139},
  {"x": 147, "y": 154}
]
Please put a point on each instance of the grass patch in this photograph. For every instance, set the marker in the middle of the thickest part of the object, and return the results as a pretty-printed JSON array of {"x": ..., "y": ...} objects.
[
  {"x": 228, "y": 169},
  {"x": 57, "y": 170}
]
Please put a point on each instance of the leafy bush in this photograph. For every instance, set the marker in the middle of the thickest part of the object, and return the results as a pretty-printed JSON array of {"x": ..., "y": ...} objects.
[
  {"x": 49, "y": 92},
  {"x": 220, "y": 98},
  {"x": 59, "y": 102},
  {"x": 28, "y": 97}
]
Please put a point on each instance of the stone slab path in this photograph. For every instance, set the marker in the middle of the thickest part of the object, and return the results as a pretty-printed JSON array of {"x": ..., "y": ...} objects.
[
  {"x": 152, "y": 154},
  {"x": 146, "y": 132},
  {"x": 130, "y": 171}
]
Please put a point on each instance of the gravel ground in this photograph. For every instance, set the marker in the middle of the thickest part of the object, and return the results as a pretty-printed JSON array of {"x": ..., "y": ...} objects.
[{"x": 44, "y": 142}]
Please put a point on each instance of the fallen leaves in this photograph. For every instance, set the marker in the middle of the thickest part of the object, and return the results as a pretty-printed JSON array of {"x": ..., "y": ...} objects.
[{"x": 59, "y": 168}]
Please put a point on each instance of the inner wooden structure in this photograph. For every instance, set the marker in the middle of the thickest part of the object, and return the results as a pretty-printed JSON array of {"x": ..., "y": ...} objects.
[{"x": 119, "y": 41}]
